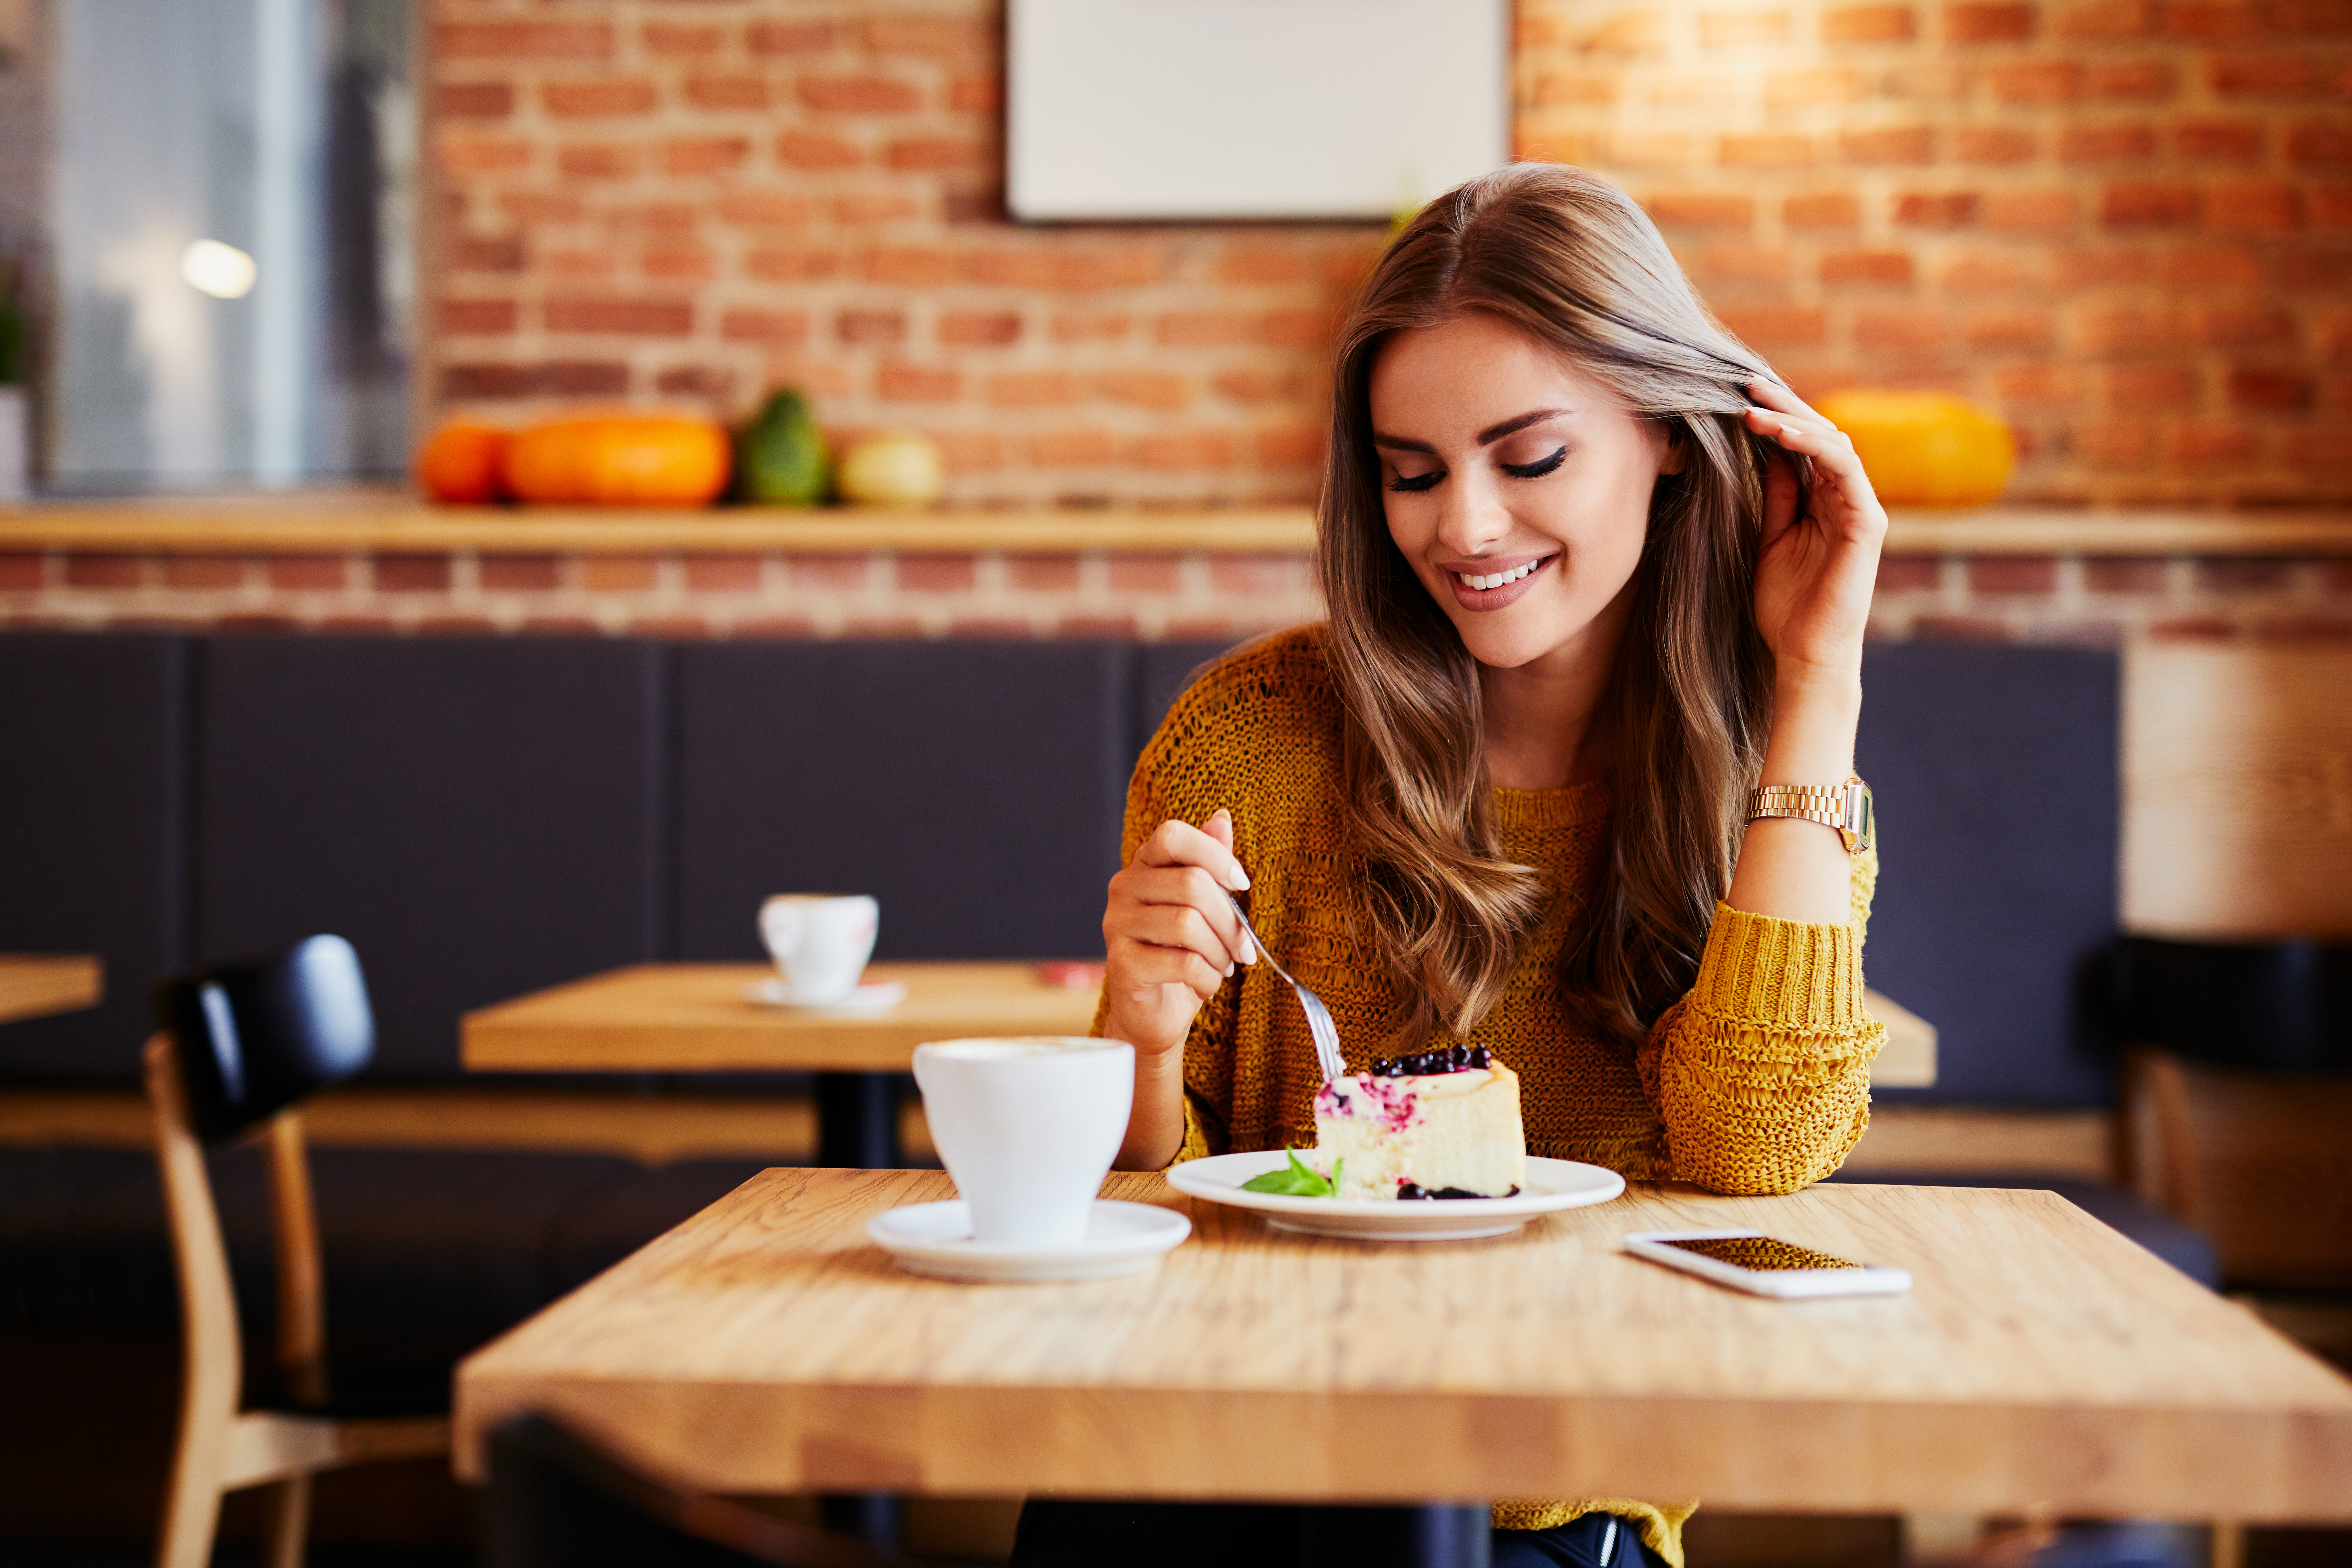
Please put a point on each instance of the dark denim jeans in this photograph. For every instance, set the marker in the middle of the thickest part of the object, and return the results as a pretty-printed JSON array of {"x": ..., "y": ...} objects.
[{"x": 1273, "y": 1535}]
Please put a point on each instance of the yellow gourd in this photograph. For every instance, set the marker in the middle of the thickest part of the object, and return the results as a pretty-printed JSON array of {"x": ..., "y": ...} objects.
[
  {"x": 892, "y": 467},
  {"x": 1924, "y": 448}
]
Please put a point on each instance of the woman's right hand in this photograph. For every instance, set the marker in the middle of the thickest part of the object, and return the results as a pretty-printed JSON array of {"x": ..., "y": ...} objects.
[{"x": 1170, "y": 934}]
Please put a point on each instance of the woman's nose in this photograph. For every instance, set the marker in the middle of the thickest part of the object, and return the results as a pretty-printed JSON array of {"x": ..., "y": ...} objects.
[{"x": 1473, "y": 518}]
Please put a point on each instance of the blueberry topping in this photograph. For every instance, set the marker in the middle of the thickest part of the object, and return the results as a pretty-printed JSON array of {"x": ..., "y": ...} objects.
[{"x": 1443, "y": 1059}]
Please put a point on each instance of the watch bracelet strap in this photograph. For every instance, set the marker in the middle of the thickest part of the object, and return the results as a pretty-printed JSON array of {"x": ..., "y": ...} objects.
[{"x": 1808, "y": 802}]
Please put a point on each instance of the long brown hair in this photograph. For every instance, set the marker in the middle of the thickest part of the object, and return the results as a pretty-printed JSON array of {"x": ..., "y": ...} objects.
[{"x": 1570, "y": 260}]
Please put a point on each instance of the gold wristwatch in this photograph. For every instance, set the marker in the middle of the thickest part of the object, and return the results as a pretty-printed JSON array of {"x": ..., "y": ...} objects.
[{"x": 1845, "y": 807}]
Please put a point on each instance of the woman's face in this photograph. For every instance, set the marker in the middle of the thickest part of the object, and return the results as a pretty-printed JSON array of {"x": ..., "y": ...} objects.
[{"x": 1517, "y": 487}]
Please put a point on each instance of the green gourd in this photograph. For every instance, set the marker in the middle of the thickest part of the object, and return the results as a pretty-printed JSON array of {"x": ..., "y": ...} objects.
[{"x": 779, "y": 458}]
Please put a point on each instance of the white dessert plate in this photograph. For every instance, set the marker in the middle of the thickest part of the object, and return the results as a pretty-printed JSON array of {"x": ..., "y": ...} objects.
[
  {"x": 936, "y": 1239},
  {"x": 871, "y": 997},
  {"x": 1551, "y": 1186}
]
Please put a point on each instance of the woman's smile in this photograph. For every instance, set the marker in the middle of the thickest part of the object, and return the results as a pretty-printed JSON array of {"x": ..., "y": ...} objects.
[{"x": 1493, "y": 581}]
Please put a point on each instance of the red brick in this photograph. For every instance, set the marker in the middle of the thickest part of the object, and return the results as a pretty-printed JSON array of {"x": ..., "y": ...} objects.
[
  {"x": 460, "y": 155},
  {"x": 907, "y": 265},
  {"x": 1824, "y": 210},
  {"x": 679, "y": 40},
  {"x": 1777, "y": 326},
  {"x": 808, "y": 150},
  {"x": 1185, "y": 450},
  {"x": 2243, "y": 326},
  {"x": 1987, "y": 23},
  {"x": 860, "y": 95},
  {"x": 706, "y": 383},
  {"x": 1063, "y": 268},
  {"x": 1294, "y": 329},
  {"x": 1203, "y": 327},
  {"x": 1043, "y": 574},
  {"x": 2219, "y": 141},
  {"x": 2189, "y": 19},
  {"x": 1929, "y": 81},
  {"x": 1290, "y": 446},
  {"x": 1765, "y": 149},
  {"x": 1118, "y": 628},
  {"x": 478, "y": 317},
  {"x": 1701, "y": 210},
  {"x": 764, "y": 209},
  {"x": 1816, "y": 84},
  {"x": 705, "y": 154},
  {"x": 21, "y": 570},
  {"x": 1264, "y": 386},
  {"x": 2143, "y": 387},
  {"x": 727, "y": 91},
  {"x": 1721, "y": 29},
  {"x": 870, "y": 326},
  {"x": 937, "y": 574},
  {"x": 541, "y": 206},
  {"x": 2017, "y": 328},
  {"x": 102, "y": 571},
  {"x": 2269, "y": 76},
  {"x": 2273, "y": 390},
  {"x": 1989, "y": 272},
  {"x": 205, "y": 570},
  {"x": 2036, "y": 81},
  {"x": 1844, "y": 267},
  {"x": 990, "y": 329},
  {"x": 1894, "y": 144},
  {"x": 2026, "y": 210},
  {"x": 2331, "y": 207},
  {"x": 1074, "y": 449},
  {"x": 619, "y": 573},
  {"x": 2321, "y": 143},
  {"x": 1556, "y": 87},
  {"x": 976, "y": 94},
  {"x": 631, "y": 318},
  {"x": 1141, "y": 573},
  {"x": 932, "y": 152},
  {"x": 2210, "y": 446},
  {"x": 2035, "y": 382},
  {"x": 597, "y": 160},
  {"x": 2140, "y": 575},
  {"x": 791, "y": 264},
  {"x": 2253, "y": 206},
  {"x": 473, "y": 100},
  {"x": 2107, "y": 20},
  {"x": 2091, "y": 267},
  {"x": 692, "y": 262},
  {"x": 518, "y": 573},
  {"x": 1908, "y": 574},
  {"x": 2201, "y": 628},
  {"x": 1961, "y": 628},
  {"x": 1992, "y": 144},
  {"x": 2136, "y": 82},
  {"x": 1937, "y": 209},
  {"x": 308, "y": 573},
  {"x": 1163, "y": 390},
  {"x": 918, "y": 384},
  {"x": 1034, "y": 389},
  {"x": 2126, "y": 330},
  {"x": 1869, "y": 25},
  {"x": 2012, "y": 574},
  {"x": 789, "y": 37},
  {"x": 600, "y": 99},
  {"x": 1905, "y": 330},
  {"x": 2314, "y": 17},
  {"x": 935, "y": 36},
  {"x": 1732, "y": 263},
  {"x": 499, "y": 253},
  {"x": 523, "y": 41},
  {"x": 411, "y": 573},
  {"x": 2106, "y": 143}
]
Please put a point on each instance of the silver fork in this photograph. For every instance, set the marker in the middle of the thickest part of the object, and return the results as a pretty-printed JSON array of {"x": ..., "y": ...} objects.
[{"x": 1318, "y": 1016}]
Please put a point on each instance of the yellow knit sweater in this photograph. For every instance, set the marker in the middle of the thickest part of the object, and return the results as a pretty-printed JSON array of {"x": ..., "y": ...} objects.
[{"x": 1756, "y": 1081}]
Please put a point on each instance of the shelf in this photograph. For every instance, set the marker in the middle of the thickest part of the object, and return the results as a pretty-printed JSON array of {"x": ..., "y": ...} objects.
[{"x": 367, "y": 523}]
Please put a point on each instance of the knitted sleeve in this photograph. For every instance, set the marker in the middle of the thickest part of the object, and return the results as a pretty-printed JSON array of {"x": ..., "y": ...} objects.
[{"x": 1761, "y": 1073}]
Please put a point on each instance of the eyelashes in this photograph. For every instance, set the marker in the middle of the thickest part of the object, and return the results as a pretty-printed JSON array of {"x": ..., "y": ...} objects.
[{"x": 1535, "y": 470}]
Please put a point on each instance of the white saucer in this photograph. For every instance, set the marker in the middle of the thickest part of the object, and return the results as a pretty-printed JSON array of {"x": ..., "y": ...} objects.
[
  {"x": 1552, "y": 1185},
  {"x": 871, "y": 997},
  {"x": 936, "y": 1239}
]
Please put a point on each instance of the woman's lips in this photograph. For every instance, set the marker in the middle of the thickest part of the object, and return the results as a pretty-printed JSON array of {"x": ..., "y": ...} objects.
[{"x": 1518, "y": 576}]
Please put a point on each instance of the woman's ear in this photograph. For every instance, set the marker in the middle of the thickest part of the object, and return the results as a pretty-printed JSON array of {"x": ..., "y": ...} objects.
[{"x": 1677, "y": 456}]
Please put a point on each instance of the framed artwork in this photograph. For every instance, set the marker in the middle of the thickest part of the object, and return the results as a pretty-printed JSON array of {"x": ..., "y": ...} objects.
[{"x": 1135, "y": 111}]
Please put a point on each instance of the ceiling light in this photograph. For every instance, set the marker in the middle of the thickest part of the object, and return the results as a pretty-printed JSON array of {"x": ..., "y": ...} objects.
[{"x": 219, "y": 270}]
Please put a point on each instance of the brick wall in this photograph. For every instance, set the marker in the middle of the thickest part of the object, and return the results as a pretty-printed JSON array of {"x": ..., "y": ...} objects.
[
  {"x": 2126, "y": 224},
  {"x": 667, "y": 201}
]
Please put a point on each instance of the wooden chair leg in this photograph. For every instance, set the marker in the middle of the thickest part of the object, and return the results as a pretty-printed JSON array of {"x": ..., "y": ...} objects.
[
  {"x": 191, "y": 1509},
  {"x": 2228, "y": 1549},
  {"x": 211, "y": 1369},
  {"x": 289, "y": 1522}
]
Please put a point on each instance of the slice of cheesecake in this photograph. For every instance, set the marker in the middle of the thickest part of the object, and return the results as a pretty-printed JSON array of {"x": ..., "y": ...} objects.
[{"x": 1440, "y": 1124}]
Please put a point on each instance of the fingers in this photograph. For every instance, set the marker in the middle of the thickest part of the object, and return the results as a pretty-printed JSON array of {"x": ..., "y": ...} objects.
[
  {"x": 1142, "y": 964},
  {"x": 1181, "y": 843},
  {"x": 1173, "y": 899}
]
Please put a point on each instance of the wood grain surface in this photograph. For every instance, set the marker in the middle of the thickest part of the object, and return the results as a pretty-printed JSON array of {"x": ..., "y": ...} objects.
[
  {"x": 687, "y": 1018},
  {"x": 693, "y": 1017},
  {"x": 2042, "y": 1362},
  {"x": 2237, "y": 790},
  {"x": 33, "y": 985},
  {"x": 380, "y": 519}
]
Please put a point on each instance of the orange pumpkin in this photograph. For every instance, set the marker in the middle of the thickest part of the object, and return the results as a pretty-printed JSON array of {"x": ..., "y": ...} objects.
[
  {"x": 1924, "y": 448},
  {"x": 620, "y": 459},
  {"x": 459, "y": 462}
]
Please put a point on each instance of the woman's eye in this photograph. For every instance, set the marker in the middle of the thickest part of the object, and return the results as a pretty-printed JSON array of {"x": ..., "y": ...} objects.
[
  {"x": 1537, "y": 468},
  {"x": 1416, "y": 481}
]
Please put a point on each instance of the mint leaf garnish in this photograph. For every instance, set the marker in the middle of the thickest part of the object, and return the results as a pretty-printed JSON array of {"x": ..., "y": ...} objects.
[{"x": 1298, "y": 1182}]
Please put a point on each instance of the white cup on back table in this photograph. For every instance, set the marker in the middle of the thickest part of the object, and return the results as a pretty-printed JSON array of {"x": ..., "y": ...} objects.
[
  {"x": 1028, "y": 1128},
  {"x": 820, "y": 941}
]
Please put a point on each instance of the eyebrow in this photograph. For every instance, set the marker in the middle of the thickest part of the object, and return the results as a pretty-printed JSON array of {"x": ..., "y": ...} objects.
[{"x": 1486, "y": 438}]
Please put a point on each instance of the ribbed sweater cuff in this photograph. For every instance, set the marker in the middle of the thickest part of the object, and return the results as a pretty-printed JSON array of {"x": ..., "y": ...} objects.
[{"x": 1787, "y": 974}]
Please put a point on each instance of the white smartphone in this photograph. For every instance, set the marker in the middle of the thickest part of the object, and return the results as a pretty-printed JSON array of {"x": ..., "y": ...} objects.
[{"x": 1753, "y": 1261}]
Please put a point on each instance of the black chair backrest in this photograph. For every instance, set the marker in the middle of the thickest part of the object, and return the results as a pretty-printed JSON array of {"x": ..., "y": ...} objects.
[
  {"x": 2285, "y": 1006},
  {"x": 257, "y": 1037}
]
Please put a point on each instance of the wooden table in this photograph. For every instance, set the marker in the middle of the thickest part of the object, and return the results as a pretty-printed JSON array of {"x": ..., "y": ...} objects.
[
  {"x": 693, "y": 1017},
  {"x": 2042, "y": 1362},
  {"x": 33, "y": 985}
]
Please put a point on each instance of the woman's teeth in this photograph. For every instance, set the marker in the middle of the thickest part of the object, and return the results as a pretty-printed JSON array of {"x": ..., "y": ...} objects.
[{"x": 1499, "y": 578}]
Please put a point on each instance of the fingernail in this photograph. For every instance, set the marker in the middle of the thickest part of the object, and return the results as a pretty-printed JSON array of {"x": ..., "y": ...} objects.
[
  {"x": 1229, "y": 972},
  {"x": 1788, "y": 429},
  {"x": 1239, "y": 881},
  {"x": 1249, "y": 949}
]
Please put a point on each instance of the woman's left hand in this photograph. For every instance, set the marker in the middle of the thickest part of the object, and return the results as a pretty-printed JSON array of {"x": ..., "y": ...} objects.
[{"x": 1814, "y": 574}]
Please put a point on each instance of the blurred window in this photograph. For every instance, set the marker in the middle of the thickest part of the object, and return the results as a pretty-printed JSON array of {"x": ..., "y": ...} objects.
[{"x": 226, "y": 241}]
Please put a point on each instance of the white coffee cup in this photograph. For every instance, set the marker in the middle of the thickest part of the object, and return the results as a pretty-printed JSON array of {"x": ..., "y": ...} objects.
[
  {"x": 1028, "y": 1128},
  {"x": 820, "y": 941}
]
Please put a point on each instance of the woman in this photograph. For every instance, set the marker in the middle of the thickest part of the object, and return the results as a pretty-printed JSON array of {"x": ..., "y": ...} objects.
[{"x": 1593, "y": 575}]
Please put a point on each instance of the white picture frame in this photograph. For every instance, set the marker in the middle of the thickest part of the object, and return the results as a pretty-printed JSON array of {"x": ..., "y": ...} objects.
[{"x": 1249, "y": 109}]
